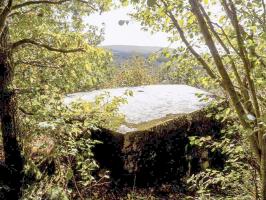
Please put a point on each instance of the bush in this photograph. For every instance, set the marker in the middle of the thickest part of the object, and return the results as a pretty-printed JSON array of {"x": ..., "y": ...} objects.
[
  {"x": 234, "y": 181},
  {"x": 69, "y": 163}
]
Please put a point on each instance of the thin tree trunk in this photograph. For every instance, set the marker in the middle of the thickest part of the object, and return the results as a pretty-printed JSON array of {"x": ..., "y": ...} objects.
[
  {"x": 227, "y": 82},
  {"x": 12, "y": 150},
  {"x": 263, "y": 168}
]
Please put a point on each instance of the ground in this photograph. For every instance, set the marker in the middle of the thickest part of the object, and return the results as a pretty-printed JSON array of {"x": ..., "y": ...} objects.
[{"x": 110, "y": 191}]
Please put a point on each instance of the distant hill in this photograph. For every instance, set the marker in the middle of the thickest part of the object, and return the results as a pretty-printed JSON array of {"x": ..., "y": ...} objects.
[{"x": 124, "y": 52}]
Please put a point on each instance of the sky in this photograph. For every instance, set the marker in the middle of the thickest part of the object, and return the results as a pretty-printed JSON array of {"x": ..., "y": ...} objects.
[{"x": 130, "y": 34}]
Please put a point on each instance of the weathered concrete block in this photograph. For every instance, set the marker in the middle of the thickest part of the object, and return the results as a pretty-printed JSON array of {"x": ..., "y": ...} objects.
[{"x": 152, "y": 145}]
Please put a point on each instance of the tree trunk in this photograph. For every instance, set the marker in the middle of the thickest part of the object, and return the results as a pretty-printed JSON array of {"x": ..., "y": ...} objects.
[
  {"x": 263, "y": 168},
  {"x": 12, "y": 150}
]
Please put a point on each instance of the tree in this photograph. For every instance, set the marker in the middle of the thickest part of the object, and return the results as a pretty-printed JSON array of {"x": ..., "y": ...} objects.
[
  {"x": 233, "y": 34},
  {"x": 38, "y": 35},
  {"x": 133, "y": 72}
]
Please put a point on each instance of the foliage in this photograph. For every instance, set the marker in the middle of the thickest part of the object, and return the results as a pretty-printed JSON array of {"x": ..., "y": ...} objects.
[
  {"x": 134, "y": 72},
  {"x": 69, "y": 134},
  {"x": 54, "y": 52},
  {"x": 226, "y": 38},
  {"x": 224, "y": 184},
  {"x": 181, "y": 69}
]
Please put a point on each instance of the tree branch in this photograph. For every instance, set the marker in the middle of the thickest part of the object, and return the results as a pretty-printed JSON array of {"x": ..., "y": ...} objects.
[
  {"x": 195, "y": 4},
  {"x": 232, "y": 14},
  {"x": 48, "y": 47},
  {"x": 4, "y": 15},
  {"x": 58, "y": 2},
  {"x": 247, "y": 104},
  {"x": 227, "y": 38},
  {"x": 264, "y": 12},
  {"x": 191, "y": 49},
  {"x": 29, "y": 3},
  {"x": 228, "y": 85},
  {"x": 88, "y": 4},
  {"x": 39, "y": 64},
  {"x": 253, "y": 15},
  {"x": 25, "y": 111},
  {"x": 19, "y": 12}
]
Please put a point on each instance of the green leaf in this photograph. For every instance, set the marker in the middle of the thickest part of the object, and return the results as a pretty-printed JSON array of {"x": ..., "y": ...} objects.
[
  {"x": 69, "y": 174},
  {"x": 181, "y": 22}
]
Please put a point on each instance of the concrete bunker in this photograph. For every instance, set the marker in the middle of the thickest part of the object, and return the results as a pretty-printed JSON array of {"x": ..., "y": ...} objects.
[{"x": 152, "y": 146}]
